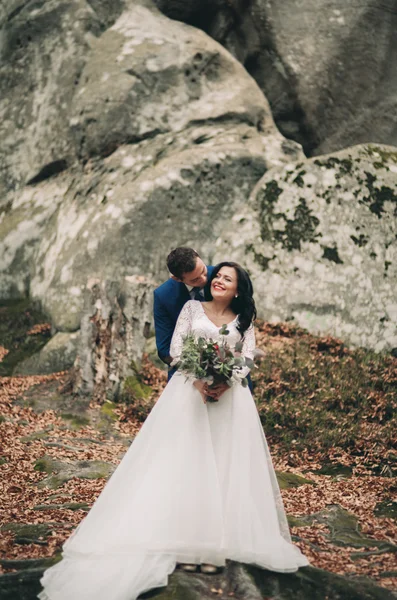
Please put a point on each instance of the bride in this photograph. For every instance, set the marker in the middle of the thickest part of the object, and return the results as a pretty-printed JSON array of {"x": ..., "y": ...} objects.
[{"x": 196, "y": 486}]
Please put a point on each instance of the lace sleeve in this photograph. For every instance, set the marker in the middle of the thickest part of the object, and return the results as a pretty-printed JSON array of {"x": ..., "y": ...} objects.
[
  {"x": 182, "y": 328},
  {"x": 248, "y": 350}
]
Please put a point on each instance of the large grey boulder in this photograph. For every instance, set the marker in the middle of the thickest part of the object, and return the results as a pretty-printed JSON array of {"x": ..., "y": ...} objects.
[
  {"x": 320, "y": 240},
  {"x": 148, "y": 75},
  {"x": 43, "y": 47},
  {"x": 327, "y": 68},
  {"x": 112, "y": 222}
]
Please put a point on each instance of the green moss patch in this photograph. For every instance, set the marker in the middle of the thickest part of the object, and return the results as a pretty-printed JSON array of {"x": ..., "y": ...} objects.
[
  {"x": 107, "y": 410},
  {"x": 290, "y": 480},
  {"x": 133, "y": 387},
  {"x": 138, "y": 396}
]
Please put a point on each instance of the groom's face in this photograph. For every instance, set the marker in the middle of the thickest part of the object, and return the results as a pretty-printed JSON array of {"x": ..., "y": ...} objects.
[{"x": 198, "y": 277}]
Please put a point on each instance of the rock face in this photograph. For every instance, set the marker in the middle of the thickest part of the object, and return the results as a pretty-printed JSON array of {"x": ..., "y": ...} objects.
[
  {"x": 42, "y": 49},
  {"x": 326, "y": 68},
  {"x": 241, "y": 582},
  {"x": 125, "y": 134},
  {"x": 320, "y": 240},
  {"x": 176, "y": 134}
]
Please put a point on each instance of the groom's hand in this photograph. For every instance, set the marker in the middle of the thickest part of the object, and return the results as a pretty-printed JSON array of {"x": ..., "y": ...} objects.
[{"x": 216, "y": 391}]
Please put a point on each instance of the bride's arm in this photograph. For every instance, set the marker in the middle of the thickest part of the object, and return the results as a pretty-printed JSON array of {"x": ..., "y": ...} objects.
[
  {"x": 182, "y": 328},
  {"x": 248, "y": 350}
]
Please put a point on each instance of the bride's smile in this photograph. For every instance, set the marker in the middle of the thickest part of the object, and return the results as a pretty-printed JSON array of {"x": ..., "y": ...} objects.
[{"x": 224, "y": 284}]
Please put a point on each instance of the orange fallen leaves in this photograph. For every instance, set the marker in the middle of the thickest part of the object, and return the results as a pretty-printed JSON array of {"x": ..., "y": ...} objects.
[{"x": 19, "y": 493}]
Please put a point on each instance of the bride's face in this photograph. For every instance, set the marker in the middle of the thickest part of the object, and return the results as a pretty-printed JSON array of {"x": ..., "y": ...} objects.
[{"x": 224, "y": 284}]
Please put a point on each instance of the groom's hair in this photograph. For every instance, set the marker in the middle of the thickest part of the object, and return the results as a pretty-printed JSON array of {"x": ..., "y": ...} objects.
[{"x": 182, "y": 260}]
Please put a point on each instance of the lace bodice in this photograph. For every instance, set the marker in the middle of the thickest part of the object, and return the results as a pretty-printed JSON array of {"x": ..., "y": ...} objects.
[{"x": 193, "y": 319}]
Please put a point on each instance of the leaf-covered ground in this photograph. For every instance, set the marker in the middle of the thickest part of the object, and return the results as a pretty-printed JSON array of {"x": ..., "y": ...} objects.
[{"x": 324, "y": 408}]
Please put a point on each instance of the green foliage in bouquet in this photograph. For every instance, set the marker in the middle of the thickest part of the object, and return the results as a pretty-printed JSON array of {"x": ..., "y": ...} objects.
[{"x": 213, "y": 362}]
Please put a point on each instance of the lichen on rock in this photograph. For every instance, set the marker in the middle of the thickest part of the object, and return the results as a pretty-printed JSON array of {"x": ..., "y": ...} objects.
[{"x": 320, "y": 241}]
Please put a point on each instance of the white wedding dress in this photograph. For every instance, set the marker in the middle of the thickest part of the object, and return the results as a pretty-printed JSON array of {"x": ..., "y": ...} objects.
[{"x": 197, "y": 485}]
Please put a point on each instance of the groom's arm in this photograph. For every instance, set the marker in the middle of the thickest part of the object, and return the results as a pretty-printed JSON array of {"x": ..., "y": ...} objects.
[{"x": 164, "y": 327}]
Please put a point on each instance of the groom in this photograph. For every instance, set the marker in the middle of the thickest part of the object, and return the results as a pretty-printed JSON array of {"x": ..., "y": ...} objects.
[{"x": 189, "y": 281}]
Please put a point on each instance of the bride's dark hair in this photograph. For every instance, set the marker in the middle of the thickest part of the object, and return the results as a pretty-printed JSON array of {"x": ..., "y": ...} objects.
[{"x": 244, "y": 304}]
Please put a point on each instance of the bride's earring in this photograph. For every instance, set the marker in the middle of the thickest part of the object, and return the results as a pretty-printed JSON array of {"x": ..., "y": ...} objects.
[{"x": 236, "y": 296}]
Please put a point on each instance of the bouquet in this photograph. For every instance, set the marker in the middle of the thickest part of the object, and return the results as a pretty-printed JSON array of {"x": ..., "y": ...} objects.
[{"x": 213, "y": 362}]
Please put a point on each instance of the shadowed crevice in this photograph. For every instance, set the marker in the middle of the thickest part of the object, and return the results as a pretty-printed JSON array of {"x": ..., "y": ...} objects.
[{"x": 49, "y": 171}]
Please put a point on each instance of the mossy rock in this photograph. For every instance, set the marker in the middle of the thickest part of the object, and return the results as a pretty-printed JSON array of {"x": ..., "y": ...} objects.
[
  {"x": 387, "y": 508},
  {"x": 345, "y": 529},
  {"x": 296, "y": 521},
  {"x": 290, "y": 480},
  {"x": 138, "y": 396},
  {"x": 182, "y": 586},
  {"x": 242, "y": 582},
  {"x": 37, "y": 435},
  {"x": 107, "y": 410},
  {"x": 24, "y": 584},
  {"x": 90, "y": 441},
  {"x": 247, "y": 582},
  {"x": 45, "y": 464},
  {"x": 46, "y": 395},
  {"x": 62, "y": 446},
  {"x": 59, "y": 473},
  {"x": 336, "y": 470},
  {"x": 134, "y": 388},
  {"x": 309, "y": 583},
  {"x": 30, "y": 563},
  {"x": 65, "y": 506},
  {"x": 28, "y": 533},
  {"x": 75, "y": 421},
  {"x": 59, "y": 495},
  {"x": 388, "y": 574},
  {"x": 58, "y": 354}
]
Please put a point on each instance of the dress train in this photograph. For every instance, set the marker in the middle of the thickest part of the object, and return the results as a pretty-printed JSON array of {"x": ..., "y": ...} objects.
[{"x": 197, "y": 485}]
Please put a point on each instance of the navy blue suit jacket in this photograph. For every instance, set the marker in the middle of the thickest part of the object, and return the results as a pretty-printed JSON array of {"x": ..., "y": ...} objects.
[{"x": 169, "y": 300}]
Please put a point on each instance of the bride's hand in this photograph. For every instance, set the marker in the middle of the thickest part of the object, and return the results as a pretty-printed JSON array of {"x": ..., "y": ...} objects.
[
  {"x": 202, "y": 388},
  {"x": 217, "y": 390}
]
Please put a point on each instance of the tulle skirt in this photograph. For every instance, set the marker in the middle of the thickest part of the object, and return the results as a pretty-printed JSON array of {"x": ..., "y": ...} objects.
[{"x": 197, "y": 485}]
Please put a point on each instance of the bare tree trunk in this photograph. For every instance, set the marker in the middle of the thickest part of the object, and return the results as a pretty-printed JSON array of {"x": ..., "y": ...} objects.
[{"x": 115, "y": 322}]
